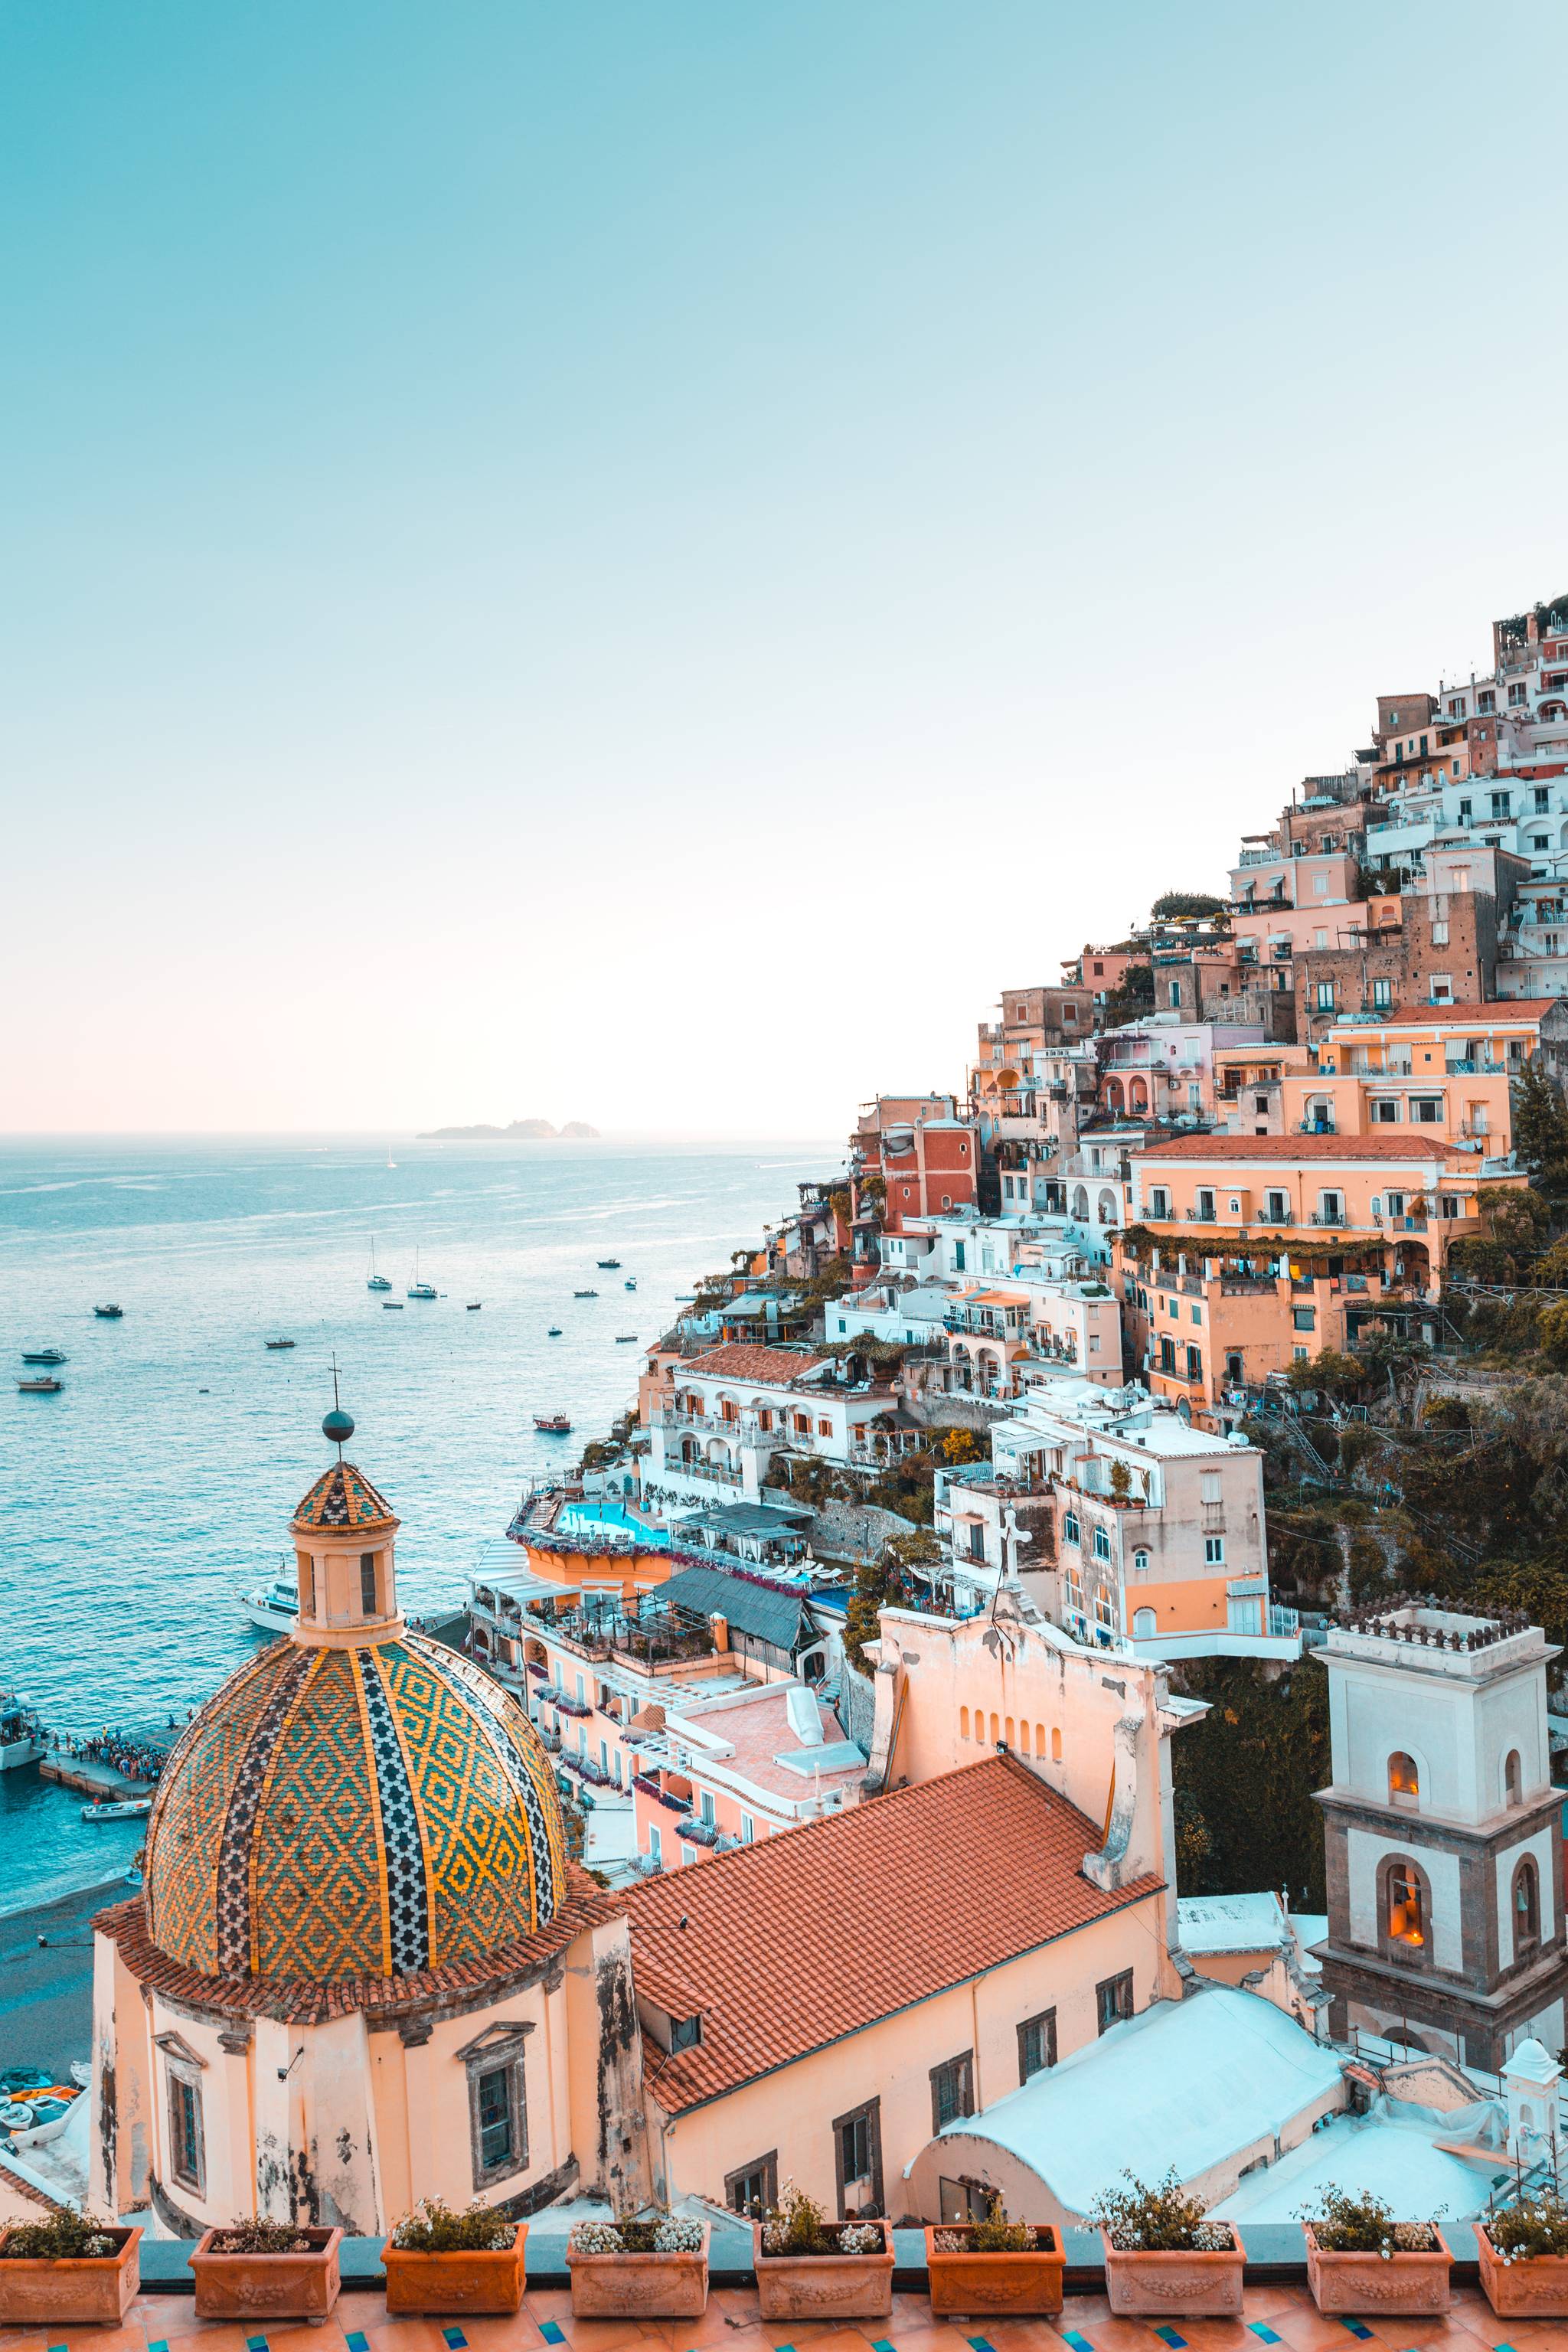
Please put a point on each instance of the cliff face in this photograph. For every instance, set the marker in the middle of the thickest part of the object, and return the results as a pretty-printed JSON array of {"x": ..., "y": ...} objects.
[{"x": 526, "y": 1131}]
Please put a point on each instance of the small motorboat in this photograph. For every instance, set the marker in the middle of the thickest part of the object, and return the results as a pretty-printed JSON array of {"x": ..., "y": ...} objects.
[
  {"x": 43, "y": 1356},
  {"x": 553, "y": 1332},
  {"x": 584, "y": 1294},
  {"x": 606, "y": 1265},
  {"x": 552, "y": 1425},
  {"x": 392, "y": 1305},
  {"x": 122, "y": 1809},
  {"x": 273, "y": 1608},
  {"x": 109, "y": 1314},
  {"x": 280, "y": 1343},
  {"x": 625, "y": 1338},
  {"x": 473, "y": 1306},
  {"x": 375, "y": 1281},
  {"x": 45, "y": 1385},
  {"x": 630, "y": 1283}
]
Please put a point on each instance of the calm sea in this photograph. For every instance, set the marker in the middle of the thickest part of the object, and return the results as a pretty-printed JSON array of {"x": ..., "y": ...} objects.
[{"x": 136, "y": 1503}]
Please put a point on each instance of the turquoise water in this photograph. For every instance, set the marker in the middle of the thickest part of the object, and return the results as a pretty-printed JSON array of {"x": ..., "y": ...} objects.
[
  {"x": 578, "y": 1516},
  {"x": 162, "y": 1478}
]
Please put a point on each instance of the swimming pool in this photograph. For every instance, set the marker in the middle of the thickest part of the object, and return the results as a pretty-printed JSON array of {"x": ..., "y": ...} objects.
[{"x": 585, "y": 1518}]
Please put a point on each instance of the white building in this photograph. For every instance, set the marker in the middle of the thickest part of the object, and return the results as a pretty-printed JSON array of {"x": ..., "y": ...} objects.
[
  {"x": 1444, "y": 1835},
  {"x": 715, "y": 1432}
]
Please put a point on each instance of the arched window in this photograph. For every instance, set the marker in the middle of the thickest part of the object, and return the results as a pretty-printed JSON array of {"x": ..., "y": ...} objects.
[
  {"x": 1513, "y": 1779},
  {"x": 1526, "y": 1910},
  {"x": 1007, "y": 1731},
  {"x": 1023, "y": 1737},
  {"x": 963, "y": 1723},
  {"x": 1404, "y": 1779},
  {"x": 1406, "y": 1905},
  {"x": 995, "y": 1731},
  {"x": 1140, "y": 1561},
  {"x": 1143, "y": 1624},
  {"x": 1056, "y": 1747},
  {"x": 1040, "y": 1739}
]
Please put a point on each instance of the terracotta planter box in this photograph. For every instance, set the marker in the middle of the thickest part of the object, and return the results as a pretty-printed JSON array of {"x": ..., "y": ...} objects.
[
  {"x": 1534, "y": 2287},
  {"x": 1400, "y": 2283},
  {"x": 467, "y": 2281},
  {"x": 825, "y": 2286},
  {"x": 38, "y": 2292},
  {"x": 964, "y": 2283},
  {"x": 640, "y": 2286},
  {"x": 275, "y": 2286},
  {"x": 1192, "y": 2286}
]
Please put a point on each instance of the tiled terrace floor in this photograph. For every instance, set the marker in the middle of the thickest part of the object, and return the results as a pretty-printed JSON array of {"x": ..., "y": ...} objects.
[{"x": 1284, "y": 2316}]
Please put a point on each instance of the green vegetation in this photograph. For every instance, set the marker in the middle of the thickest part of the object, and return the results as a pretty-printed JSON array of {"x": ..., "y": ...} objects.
[
  {"x": 437, "y": 2228},
  {"x": 1172, "y": 905},
  {"x": 1159, "y": 2219},
  {"x": 1269, "y": 1738},
  {"x": 65, "y": 2237},
  {"x": 1365, "y": 2225},
  {"x": 1535, "y": 2224}
]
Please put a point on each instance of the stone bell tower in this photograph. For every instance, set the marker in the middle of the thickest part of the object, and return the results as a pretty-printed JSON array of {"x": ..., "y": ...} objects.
[{"x": 1443, "y": 1835}]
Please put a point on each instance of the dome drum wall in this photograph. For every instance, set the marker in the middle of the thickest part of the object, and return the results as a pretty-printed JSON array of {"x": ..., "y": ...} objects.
[{"x": 341, "y": 1810}]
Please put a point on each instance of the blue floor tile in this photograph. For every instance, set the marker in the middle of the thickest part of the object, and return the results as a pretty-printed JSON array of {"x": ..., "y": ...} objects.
[
  {"x": 255, "y": 2343},
  {"x": 357, "y": 2342},
  {"x": 1264, "y": 2333},
  {"x": 1079, "y": 2343},
  {"x": 1169, "y": 2335},
  {"x": 454, "y": 2339},
  {"x": 980, "y": 2344},
  {"x": 553, "y": 2334},
  {"x": 1362, "y": 2335},
  {"x": 880, "y": 2344},
  {"x": 161, "y": 2344}
]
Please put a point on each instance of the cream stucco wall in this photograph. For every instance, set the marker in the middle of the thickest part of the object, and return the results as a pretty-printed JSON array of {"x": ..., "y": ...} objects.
[{"x": 791, "y": 2112}]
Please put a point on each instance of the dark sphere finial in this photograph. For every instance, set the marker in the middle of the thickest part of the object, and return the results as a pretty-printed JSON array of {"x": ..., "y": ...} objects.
[{"x": 338, "y": 1426}]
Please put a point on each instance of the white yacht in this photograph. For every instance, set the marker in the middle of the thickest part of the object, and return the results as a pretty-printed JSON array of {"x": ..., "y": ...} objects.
[
  {"x": 22, "y": 1739},
  {"x": 272, "y": 1608}
]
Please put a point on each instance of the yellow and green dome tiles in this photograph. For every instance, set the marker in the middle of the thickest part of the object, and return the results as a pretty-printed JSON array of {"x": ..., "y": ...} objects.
[{"x": 335, "y": 1813}]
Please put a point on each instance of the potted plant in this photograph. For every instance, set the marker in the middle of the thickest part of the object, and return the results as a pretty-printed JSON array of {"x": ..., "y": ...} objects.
[
  {"x": 993, "y": 2266},
  {"x": 1162, "y": 2257},
  {"x": 810, "y": 2268},
  {"x": 1359, "y": 2258},
  {"x": 70, "y": 2268},
  {"x": 641, "y": 2266},
  {"x": 1522, "y": 2250},
  {"x": 440, "y": 2259},
  {"x": 284, "y": 2269}
]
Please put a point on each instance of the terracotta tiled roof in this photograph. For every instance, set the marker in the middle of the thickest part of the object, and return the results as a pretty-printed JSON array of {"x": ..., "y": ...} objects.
[
  {"x": 344, "y": 1496},
  {"x": 792, "y": 1944},
  {"x": 300, "y": 2002},
  {"x": 1454, "y": 1016},
  {"x": 743, "y": 1362},
  {"x": 13, "y": 2189},
  {"x": 1285, "y": 1149}
]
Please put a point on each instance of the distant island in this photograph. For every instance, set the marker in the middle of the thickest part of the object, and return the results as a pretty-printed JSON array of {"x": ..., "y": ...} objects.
[{"x": 522, "y": 1131}]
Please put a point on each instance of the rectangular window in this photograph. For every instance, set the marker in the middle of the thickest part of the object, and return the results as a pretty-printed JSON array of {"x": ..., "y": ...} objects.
[
  {"x": 755, "y": 2188},
  {"x": 1206, "y": 1207},
  {"x": 187, "y": 2153},
  {"x": 708, "y": 1814},
  {"x": 1325, "y": 996},
  {"x": 857, "y": 2159},
  {"x": 367, "y": 1582},
  {"x": 1386, "y": 1112},
  {"x": 748, "y": 1829},
  {"x": 1213, "y": 1551},
  {"x": 952, "y": 2090},
  {"x": 1304, "y": 1319},
  {"x": 1113, "y": 2000},
  {"x": 1069, "y": 1527},
  {"x": 825, "y": 1429},
  {"x": 1382, "y": 996},
  {"x": 685, "y": 2032},
  {"x": 1427, "y": 1110},
  {"x": 1194, "y": 1363},
  {"x": 655, "y": 1845},
  {"x": 1036, "y": 2044},
  {"x": 496, "y": 2120}
]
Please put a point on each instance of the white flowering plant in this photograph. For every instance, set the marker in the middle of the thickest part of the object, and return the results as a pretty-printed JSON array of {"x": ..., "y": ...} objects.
[{"x": 658, "y": 2232}]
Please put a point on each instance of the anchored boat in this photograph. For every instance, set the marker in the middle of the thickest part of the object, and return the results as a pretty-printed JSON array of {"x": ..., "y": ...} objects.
[
  {"x": 110, "y": 1313},
  {"x": 552, "y": 1425},
  {"x": 273, "y": 1608},
  {"x": 22, "y": 1739},
  {"x": 122, "y": 1809},
  {"x": 375, "y": 1281},
  {"x": 43, "y": 1356},
  {"x": 417, "y": 1289},
  {"x": 45, "y": 1385},
  {"x": 275, "y": 1344}
]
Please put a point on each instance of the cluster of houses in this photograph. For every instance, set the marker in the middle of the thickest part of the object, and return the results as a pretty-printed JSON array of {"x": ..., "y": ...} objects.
[{"x": 714, "y": 1865}]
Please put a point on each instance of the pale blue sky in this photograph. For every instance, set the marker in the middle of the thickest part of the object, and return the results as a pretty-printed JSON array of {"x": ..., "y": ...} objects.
[{"x": 637, "y": 562}]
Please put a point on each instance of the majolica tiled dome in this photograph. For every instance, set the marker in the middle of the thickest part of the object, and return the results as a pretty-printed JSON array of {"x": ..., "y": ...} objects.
[{"x": 339, "y": 1812}]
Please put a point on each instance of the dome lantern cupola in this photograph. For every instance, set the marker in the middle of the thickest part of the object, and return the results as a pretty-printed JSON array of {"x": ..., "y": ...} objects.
[{"x": 343, "y": 1531}]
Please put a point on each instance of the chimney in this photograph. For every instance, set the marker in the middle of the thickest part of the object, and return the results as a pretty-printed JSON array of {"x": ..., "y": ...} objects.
[{"x": 720, "y": 1626}]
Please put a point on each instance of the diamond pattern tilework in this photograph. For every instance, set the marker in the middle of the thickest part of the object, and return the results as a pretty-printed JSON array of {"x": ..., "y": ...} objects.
[
  {"x": 234, "y": 1927},
  {"x": 528, "y": 1768},
  {"x": 479, "y": 1836},
  {"x": 402, "y": 1840},
  {"x": 184, "y": 1830},
  {"x": 315, "y": 1871},
  {"x": 344, "y": 1496},
  {"x": 337, "y": 1813}
]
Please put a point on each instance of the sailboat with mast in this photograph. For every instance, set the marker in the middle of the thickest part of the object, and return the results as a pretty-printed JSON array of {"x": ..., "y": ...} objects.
[
  {"x": 376, "y": 1281},
  {"x": 417, "y": 1289}
]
